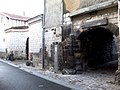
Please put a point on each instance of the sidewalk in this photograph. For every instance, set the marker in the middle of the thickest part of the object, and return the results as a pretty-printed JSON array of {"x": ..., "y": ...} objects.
[{"x": 90, "y": 80}]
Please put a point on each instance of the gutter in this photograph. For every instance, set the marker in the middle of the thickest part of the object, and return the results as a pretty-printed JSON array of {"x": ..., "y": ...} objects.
[{"x": 99, "y": 6}]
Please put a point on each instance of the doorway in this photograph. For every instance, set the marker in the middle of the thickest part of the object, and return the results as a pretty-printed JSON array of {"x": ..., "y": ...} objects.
[
  {"x": 98, "y": 46},
  {"x": 27, "y": 48}
]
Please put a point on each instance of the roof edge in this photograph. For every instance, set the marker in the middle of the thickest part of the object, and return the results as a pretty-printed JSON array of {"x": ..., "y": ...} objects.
[
  {"x": 17, "y": 27},
  {"x": 37, "y": 16}
]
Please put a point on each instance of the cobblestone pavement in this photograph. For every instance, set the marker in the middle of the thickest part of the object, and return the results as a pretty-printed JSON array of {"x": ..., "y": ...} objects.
[{"x": 89, "y": 80}]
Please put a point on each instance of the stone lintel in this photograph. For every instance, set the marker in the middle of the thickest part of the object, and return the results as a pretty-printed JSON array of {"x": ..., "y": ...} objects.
[
  {"x": 101, "y": 23},
  {"x": 95, "y": 23}
]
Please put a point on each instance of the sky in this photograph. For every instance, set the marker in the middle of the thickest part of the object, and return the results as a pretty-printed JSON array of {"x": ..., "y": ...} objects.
[{"x": 30, "y": 7}]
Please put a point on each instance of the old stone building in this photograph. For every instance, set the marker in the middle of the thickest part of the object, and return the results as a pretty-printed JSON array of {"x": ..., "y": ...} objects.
[
  {"x": 95, "y": 25},
  {"x": 22, "y": 35},
  {"x": 93, "y": 35},
  {"x": 14, "y": 29}
]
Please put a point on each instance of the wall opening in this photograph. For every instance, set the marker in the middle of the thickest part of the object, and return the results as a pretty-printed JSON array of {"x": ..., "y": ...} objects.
[
  {"x": 27, "y": 49},
  {"x": 98, "y": 46}
]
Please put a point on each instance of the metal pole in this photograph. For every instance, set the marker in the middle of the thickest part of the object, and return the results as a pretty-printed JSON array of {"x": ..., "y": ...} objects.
[
  {"x": 43, "y": 41},
  {"x": 56, "y": 58},
  {"x": 43, "y": 48},
  {"x": 43, "y": 37}
]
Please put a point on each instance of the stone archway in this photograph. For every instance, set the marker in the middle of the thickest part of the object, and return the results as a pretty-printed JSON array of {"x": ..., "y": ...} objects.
[
  {"x": 98, "y": 42},
  {"x": 97, "y": 45}
]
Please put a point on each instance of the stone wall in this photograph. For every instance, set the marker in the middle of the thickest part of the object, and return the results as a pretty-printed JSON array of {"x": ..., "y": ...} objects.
[
  {"x": 3, "y": 55},
  {"x": 52, "y": 35},
  {"x": 110, "y": 13},
  {"x": 86, "y": 3},
  {"x": 35, "y": 37},
  {"x": 53, "y": 13},
  {"x": 53, "y": 23},
  {"x": 71, "y": 5},
  {"x": 35, "y": 40},
  {"x": 16, "y": 42},
  {"x": 37, "y": 59},
  {"x": 117, "y": 74}
]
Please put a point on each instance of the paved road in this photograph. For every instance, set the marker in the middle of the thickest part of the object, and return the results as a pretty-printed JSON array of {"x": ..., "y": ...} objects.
[{"x": 12, "y": 78}]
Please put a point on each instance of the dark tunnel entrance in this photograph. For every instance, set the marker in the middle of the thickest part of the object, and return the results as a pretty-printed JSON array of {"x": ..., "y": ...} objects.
[{"x": 98, "y": 46}]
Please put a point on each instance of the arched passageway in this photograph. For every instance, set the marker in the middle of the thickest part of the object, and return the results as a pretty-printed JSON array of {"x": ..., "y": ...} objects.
[{"x": 98, "y": 46}]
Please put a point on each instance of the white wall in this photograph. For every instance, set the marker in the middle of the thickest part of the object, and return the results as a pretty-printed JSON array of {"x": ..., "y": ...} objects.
[
  {"x": 35, "y": 37},
  {"x": 16, "y": 41},
  {"x": 11, "y": 40},
  {"x": 2, "y": 36}
]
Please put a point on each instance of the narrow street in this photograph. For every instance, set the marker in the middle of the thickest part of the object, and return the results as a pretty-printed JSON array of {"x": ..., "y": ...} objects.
[{"x": 12, "y": 78}]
